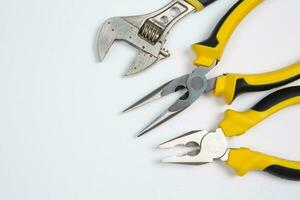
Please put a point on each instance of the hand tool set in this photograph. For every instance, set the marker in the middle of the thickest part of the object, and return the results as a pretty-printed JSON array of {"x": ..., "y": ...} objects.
[{"x": 148, "y": 34}]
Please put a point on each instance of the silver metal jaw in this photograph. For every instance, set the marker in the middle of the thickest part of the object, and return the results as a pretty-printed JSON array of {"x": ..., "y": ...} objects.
[
  {"x": 192, "y": 85},
  {"x": 145, "y": 32},
  {"x": 209, "y": 146}
]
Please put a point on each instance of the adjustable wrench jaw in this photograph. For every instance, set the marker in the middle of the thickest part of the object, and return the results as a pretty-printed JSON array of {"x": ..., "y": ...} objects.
[
  {"x": 118, "y": 28},
  {"x": 147, "y": 33}
]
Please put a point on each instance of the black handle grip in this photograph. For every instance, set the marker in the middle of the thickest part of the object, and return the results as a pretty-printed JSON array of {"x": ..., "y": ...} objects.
[
  {"x": 206, "y": 2},
  {"x": 243, "y": 87},
  {"x": 212, "y": 40},
  {"x": 284, "y": 172},
  {"x": 276, "y": 98},
  {"x": 210, "y": 51}
]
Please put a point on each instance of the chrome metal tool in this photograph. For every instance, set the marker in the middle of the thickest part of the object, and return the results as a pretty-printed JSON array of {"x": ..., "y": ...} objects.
[{"x": 146, "y": 32}]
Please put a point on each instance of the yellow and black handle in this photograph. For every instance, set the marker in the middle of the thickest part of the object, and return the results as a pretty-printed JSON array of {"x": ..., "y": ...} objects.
[
  {"x": 200, "y": 4},
  {"x": 232, "y": 85},
  {"x": 237, "y": 123},
  {"x": 211, "y": 50},
  {"x": 244, "y": 160}
]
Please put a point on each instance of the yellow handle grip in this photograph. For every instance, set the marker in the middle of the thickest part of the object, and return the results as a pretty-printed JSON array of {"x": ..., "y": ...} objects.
[
  {"x": 237, "y": 123},
  {"x": 232, "y": 85},
  {"x": 196, "y": 4},
  {"x": 244, "y": 160},
  {"x": 210, "y": 51}
]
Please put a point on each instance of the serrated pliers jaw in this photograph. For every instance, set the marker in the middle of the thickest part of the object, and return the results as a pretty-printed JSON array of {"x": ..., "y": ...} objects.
[{"x": 208, "y": 146}]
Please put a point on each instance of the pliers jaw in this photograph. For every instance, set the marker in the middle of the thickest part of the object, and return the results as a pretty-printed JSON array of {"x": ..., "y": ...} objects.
[
  {"x": 192, "y": 85},
  {"x": 209, "y": 146},
  {"x": 170, "y": 87}
]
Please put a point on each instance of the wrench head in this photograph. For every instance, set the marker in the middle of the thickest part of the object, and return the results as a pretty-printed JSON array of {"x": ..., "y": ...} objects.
[
  {"x": 106, "y": 37},
  {"x": 127, "y": 29},
  {"x": 147, "y": 33}
]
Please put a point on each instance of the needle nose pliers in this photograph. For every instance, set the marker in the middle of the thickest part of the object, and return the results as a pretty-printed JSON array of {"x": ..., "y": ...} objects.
[
  {"x": 230, "y": 86},
  {"x": 210, "y": 146},
  {"x": 209, "y": 53}
]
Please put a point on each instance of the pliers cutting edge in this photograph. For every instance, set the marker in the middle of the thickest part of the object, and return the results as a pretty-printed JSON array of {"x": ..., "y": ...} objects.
[{"x": 210, "y": 146}]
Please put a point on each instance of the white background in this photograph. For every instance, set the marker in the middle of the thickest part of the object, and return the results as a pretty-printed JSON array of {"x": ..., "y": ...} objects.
[{"x": 62, "y": 134}]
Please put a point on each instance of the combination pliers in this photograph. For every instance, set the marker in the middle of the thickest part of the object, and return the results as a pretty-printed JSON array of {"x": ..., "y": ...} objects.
[{"x": 210, "y": 146}]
